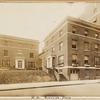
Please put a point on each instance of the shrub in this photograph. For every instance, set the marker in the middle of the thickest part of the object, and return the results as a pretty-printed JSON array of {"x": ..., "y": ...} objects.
[{"x": 22, "y": 76}]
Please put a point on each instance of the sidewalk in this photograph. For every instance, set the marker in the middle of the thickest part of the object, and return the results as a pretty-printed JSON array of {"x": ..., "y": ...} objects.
[{"x": 6, "y": 87}]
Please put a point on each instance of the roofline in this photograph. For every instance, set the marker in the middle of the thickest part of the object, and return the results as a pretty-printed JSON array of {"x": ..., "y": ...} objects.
[
  {"x": 69, "y": 19},
  {"x": 80, "y": 21},
  {"x": 18, "y": 38},
  {"x": 58, "y": 26}
]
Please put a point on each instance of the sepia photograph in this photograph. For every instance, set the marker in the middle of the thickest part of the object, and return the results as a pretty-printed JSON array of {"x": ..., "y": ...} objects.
[{"x": 50, "y": 49}]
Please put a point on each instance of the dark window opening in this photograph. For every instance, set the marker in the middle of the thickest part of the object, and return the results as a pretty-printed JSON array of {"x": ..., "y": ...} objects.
[
  {"x": 5, "y": 63},
  {"x": 96, "y": 47},
  {"x": 73, "y": 71},
  {"x": 5, "y": 52},
  {"x": 74, "y": 30},
  {"x": 31, "y": 55},
  {"x": 61, "y": 61},
  {"x": 60, "y": 33},
  {"x": 86, "y": 33},
  {"x": 86, "y": 60},
  {"x": 74, "y": 44},
  {"x": 31, "y": 65},
  {"x": 96, "y": 35},
  {"x": 97, "y": 60},
  {"x": 61, "y": 46},
  {"x": 94, "y": 20}
]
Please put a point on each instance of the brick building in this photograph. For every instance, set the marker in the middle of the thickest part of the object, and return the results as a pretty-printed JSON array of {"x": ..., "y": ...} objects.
[
  {"x": 92, "y": 13},
  {"x": 72, "y": 50},
  {"x": 18, "y": 53}
]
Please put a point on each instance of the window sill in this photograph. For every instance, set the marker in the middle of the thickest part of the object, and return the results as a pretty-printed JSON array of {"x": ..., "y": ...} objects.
[
  {"x": 86, "y": 50},
  {"x": 20, "y": 68},
  {"x": 97, "y": 66},
  {"x": 74, "y": 48},
  {"x": 61, "y": 65},
  {"x": 74, "y": 65},
  {"x": 97, "y": 52},
  {"x": 86, "y": 35},
  {"x": 86, "y": 65},
  {"x": 96, "y": 38},
  {"x": 6, "y": 56}
]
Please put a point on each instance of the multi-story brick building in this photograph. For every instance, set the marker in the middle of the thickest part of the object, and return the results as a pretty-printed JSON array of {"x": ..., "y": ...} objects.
[
  {"x": 92, "y": 13},
  {"x": 72, "y": 50},
  {"x": 18, "y": 53}
]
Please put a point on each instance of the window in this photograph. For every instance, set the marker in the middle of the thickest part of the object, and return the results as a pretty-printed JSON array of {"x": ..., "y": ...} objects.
[
  {"x": 86, "y": 59},
  {"x": 53, "y": 61},
  {"x": 60, "y": 70},
  {"x": 74, "y": 44},
  {"x": 95, "y": 10},
  {"x": 96, "y": 35},
  {"x": 73, "y": 71},
  {"x": 86, "y": 33},
  {"x": 61, "y": 60},
  {"x": 52, "y": 39},
  {"x": 96, "y": 60},
  {"x": 94, "y": 20},
  {"x": 96, "y": 47},
  {"x": 5, "y": 42},
  {"x": 31, "y": 55},
  {"x": 6, "y": 63},
  {"x": 19, "y": 64},
  {"x": 5, "y": 52},
  {"x": 49, "y": 62},
  {"x": 86, "y": 46},
  {"x": 61, "y": 46},
  {"x": 53, "y": 49},
  {"x": 60, "y": 33},
  {"x": 31, "y": 64},
  {"x": 74, "y": 30},
  {"x": 74, "y": 59}
]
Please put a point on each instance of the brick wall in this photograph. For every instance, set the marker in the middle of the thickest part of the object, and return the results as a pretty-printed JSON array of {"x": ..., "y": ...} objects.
[
  {"x": 17, "y": 46},
  {"x": 80, "y": 47}
]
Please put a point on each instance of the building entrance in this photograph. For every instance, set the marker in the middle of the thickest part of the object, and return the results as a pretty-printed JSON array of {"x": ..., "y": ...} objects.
[
  {"x": 73, "y": 74},
  {"x": 20, "y": 64}
]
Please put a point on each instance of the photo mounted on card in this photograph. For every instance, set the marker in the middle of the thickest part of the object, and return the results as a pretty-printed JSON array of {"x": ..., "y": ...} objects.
[{"x": 49, "y": 49}]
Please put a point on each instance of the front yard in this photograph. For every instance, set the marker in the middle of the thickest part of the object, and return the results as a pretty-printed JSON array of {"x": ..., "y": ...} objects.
[{"x": 23, "y": 76}]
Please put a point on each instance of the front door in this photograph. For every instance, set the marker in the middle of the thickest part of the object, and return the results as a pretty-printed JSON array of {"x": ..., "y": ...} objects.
[{"x": 20, "y": 63}]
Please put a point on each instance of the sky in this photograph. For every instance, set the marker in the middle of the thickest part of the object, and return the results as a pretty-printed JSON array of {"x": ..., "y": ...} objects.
[{"x": 35, "y": 20}]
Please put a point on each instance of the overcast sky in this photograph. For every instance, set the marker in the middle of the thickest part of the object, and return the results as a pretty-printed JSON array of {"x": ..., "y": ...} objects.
[{"x": 35, "y": 20}]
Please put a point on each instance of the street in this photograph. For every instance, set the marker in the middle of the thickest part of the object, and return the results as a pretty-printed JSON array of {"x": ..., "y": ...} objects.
[{"x": 80, "y": 88}]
